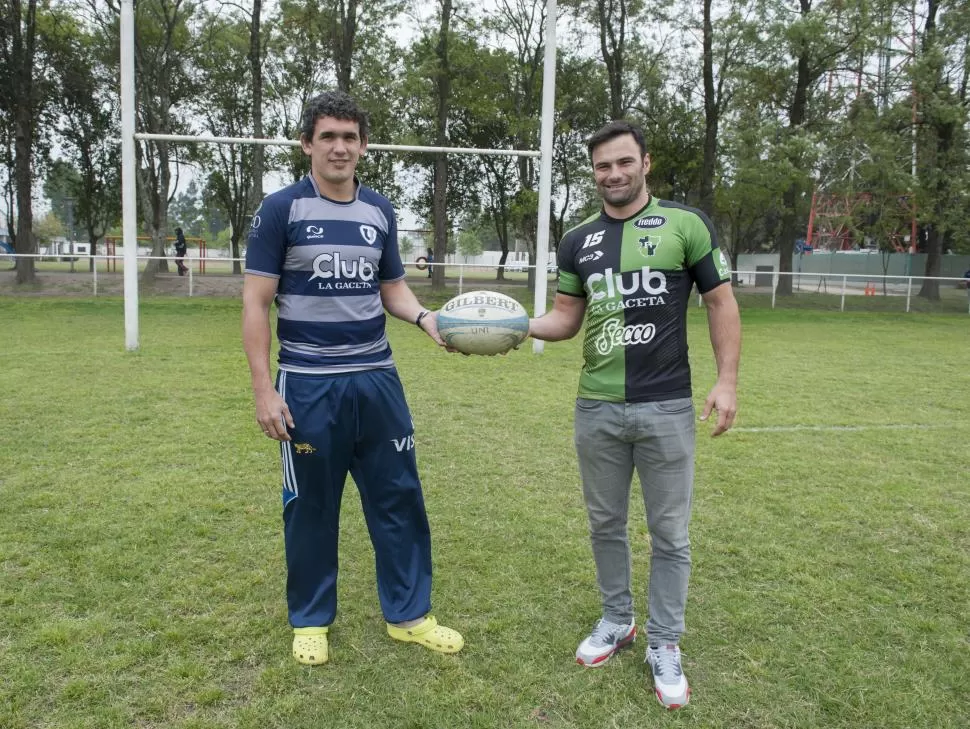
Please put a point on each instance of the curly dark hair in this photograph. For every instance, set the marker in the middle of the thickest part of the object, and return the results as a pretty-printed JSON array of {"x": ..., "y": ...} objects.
[
  {"x": 617, "y": 129},
  {"x": 336, "y": 104}
]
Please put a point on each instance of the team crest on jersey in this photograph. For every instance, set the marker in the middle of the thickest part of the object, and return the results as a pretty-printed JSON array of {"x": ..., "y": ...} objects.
[
  {"x": 649, "y": 245},
  {"x": 370, "y": 234},
  {"x": 304, "y": 449}
]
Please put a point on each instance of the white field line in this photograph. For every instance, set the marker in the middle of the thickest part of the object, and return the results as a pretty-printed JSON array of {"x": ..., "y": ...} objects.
[{"x": 838, "y": 428}]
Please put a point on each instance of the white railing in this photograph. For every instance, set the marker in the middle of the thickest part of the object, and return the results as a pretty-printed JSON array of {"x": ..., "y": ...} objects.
[
  {"x": 843, "y": 285},
  {"x": 194, "y": 262}
]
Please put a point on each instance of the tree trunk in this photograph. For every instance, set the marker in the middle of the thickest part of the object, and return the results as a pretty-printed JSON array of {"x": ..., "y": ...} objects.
[
  {"x": 256, "y": 69},
  {"x": 792, "y": 196},
  {"x": 612, "y": 36},
  {"x": 26, "y": 241},
  {"x": 934, "y": 248},
  {"x": 344, "y": 33},
  {"x": 158, "y": 222},
  {"x": 786, "y": 241},
  {"x": 941, "y": 134},
  {"x": 23, "y": 46},
  {"x": 235, "y": 235},
  {"x": 501, "y": 220},
  {"x": 710, "y": 118},
  {"x": 440, "y": 198},
  {"x": 93, "y": 242}
]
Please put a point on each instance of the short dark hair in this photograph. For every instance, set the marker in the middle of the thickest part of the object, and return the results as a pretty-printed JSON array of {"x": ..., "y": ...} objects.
[
  {"x": 336, "y": 104},
  {"x": 617, "y": 129}
]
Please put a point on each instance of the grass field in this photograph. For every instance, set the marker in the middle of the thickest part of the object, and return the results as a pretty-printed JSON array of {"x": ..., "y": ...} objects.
[{"x": 142, "y": 574}]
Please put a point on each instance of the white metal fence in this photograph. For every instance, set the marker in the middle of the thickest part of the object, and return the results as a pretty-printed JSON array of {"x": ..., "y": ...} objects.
[
  {"x": 99, "y": 268},
  {"x": 843, "y": 285},
  {"x": 842, "y": 291}
]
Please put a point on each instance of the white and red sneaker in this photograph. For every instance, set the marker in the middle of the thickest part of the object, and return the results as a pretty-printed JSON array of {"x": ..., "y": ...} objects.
[
  {"x": 669, "y": 681},
  {"x": 605, "y": 640}
]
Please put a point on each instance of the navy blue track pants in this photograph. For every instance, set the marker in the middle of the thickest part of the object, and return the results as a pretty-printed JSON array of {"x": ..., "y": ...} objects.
[{"x": 359, "y": 423}]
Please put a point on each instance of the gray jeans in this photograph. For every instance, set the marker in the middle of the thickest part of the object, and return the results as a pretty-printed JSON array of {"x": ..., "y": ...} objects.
[{"x": 658, "y": 439}]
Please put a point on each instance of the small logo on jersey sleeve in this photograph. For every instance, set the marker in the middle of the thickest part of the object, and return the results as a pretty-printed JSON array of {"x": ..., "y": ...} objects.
[
  {"x": 256, "y": 221},
  {"x": 369, "y": 234},
  {"x": 594, "y": 256},
  {"x": 721, "y": 263}
]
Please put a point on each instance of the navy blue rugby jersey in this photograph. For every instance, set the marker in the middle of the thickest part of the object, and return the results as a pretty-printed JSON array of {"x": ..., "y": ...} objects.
[{"x": 330, "y": 258}]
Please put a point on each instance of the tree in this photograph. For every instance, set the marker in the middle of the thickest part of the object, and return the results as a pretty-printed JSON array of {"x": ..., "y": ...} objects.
[
  {"x": 747, "y": 203},
  {"x": 611, "y": 20},
  {"x": 580, "y": 99},
  {"x": 60, "y": 188},
  {"x": 49, "y": 227},
  {"x": 478, "y": 117},
  {"x": 442, "y": 87},
  {"x": 21, "y": 99},
  {"x": 406, "y": 246},
  {"x": 724, "y": 48},
  {"x": 88, "y": 128},
  {"x": 940, "y": 79},
  {"x": 224, "y": 105},
  {"x": 163, "y": 90},
  {"x": 796, "y": 52},
  {"x": 520, "y": 26},
  {"x": 354, "y": 38},
  {"x": 255, "y": 58},
  {"x": 469, "y": 243},
  {"x": 188, "y": 211}
]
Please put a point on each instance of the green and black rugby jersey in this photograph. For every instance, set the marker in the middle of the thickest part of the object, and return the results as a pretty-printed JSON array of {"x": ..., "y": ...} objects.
[{"x": 636, "y": 276}]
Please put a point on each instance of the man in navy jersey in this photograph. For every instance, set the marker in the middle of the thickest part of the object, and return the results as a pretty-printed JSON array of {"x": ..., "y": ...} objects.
[
  {"x": 325, "y": 250},
  {"x": 628, "y": 271}
]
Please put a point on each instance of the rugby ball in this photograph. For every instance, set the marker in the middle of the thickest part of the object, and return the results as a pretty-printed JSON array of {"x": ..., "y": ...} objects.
[{"x": 483, "y": 322}]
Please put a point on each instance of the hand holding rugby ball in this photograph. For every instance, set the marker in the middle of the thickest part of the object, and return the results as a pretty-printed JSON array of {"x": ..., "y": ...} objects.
[{"x": 483, "y": 322}]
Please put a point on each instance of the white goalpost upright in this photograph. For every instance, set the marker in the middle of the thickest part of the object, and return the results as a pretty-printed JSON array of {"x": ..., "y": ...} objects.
[
  {"x": 129, "y": 192},
  {"x": 546, "y": 119},
  {"x": 128, "y": 164}
]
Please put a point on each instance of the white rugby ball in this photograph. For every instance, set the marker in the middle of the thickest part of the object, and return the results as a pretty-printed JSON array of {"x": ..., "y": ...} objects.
[{"x": 483, "y": 322}]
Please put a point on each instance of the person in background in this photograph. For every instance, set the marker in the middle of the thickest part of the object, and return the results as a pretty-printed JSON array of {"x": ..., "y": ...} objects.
[{"x": 181, "y": 248}]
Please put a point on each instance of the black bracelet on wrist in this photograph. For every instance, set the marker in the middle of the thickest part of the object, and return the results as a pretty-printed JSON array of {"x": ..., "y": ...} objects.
[{"x": 417, "y": 322}]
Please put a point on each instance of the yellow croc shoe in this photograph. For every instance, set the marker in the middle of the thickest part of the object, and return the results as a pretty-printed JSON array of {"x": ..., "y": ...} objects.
[
  {"x": 310, "y": 646},
  {"x": 429, "y": 634}
]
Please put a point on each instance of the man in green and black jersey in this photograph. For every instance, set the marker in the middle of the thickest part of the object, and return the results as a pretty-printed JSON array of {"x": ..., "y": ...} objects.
[{"x": 628, "y": 271}]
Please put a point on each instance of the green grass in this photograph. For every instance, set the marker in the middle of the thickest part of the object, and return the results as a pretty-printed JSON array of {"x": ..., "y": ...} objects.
[{"x": 142, "y": 574}]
